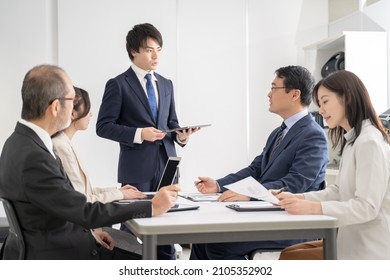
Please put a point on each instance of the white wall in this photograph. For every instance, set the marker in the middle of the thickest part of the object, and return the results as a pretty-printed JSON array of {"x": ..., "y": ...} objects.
[
  {"x": 379, "y": 12},
  {"x": 220, "y": 54}
]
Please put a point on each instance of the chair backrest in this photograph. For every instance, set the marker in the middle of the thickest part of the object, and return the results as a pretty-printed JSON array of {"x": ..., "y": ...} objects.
[
  {"x": 15, "y": 231},
  {"x": 4, "y": 228}
]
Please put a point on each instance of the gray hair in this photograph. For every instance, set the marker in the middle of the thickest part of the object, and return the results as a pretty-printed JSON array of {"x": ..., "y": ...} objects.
[{"x": 41, "y": 86}]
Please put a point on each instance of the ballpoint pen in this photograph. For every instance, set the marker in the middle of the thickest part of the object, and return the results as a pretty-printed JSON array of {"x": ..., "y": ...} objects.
[{"x": 282, "y": 190}]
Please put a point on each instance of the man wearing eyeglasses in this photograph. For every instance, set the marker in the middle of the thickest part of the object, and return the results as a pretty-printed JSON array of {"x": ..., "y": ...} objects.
[
  {"x": 54, "y": 218},
  {"x": 294, "y": 158}
]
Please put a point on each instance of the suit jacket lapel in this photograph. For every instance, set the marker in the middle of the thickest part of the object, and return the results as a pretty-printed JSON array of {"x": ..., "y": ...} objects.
[
  {"x": 293, "y": 131},
  {"x": 136, "y": 86},
  {"x": 25, "y": 130},
  {"x": 161, "y": 95}
]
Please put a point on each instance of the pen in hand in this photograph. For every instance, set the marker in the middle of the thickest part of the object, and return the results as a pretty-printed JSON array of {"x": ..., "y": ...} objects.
[{"x": 281, "y": 190}]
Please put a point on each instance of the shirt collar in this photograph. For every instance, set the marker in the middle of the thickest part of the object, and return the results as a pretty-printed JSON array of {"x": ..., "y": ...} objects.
[
  {"x": 141, "y": 73},
  {"x": 350, "y": 134},
  {"x": 42, "y": 134},
  {"x": 294, "y": 118}
]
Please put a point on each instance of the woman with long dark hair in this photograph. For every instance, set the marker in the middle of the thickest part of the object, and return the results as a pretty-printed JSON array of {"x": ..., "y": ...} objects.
[{"x": 360, "y": 197}]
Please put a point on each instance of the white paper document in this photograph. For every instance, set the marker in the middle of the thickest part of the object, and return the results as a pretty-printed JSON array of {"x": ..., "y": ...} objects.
[
  {"x": 199, "y": 197},
  {"x": 250, "y": 187}
]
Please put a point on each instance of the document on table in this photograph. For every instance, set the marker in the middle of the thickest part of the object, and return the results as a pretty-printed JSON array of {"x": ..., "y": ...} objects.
[
  {"x": 252, "y": 188},
  {"x": 199, "y": 197},
  {"x": 246, "y": 206}
]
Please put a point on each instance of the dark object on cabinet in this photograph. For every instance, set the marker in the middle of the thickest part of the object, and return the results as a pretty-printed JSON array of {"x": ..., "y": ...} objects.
[{"x": 335, "y": 63}]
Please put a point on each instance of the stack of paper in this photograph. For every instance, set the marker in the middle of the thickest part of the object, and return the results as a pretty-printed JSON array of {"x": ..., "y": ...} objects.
[{"x": 252, "y": 188}]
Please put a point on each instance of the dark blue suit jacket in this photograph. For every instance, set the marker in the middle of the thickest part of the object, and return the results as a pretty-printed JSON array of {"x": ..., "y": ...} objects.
[
  {"x": 125, "y": 108},
  {"x": 299, "y": 162}
]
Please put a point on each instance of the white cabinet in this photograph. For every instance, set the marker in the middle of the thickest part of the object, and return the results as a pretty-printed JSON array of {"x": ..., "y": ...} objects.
[{"x": 365, "y": 55}]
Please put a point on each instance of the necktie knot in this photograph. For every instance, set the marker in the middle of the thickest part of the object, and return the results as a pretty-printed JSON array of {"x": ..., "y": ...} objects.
[
  {"x": 278, "y": 137},
  {"x": 148, "y": 77}
]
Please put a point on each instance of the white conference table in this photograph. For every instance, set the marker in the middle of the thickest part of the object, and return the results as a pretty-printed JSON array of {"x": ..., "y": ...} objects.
[{"x": 213, "y": 222}]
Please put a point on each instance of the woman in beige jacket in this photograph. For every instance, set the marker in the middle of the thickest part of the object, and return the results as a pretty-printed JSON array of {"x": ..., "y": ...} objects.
[
  {"x": 73, "y": 167},
  {"x": 66, "y": 152},
  {"x": 360, "y": 197}
]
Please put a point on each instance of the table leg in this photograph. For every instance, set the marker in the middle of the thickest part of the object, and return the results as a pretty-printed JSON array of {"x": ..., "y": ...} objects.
[
  {"x": 149, "y": 247},
  {"x": 330, "y": 244}
]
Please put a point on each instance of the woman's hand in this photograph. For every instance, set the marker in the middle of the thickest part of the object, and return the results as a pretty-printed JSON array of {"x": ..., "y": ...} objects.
[
  {"x": 131, "y": 192},
  {"x": 295, "y": 205}
]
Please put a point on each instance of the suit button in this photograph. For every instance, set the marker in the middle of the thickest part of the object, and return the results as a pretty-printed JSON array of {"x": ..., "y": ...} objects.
[
  {"x": 85, "y": 230},
  {"x": 94, "y": 252}
]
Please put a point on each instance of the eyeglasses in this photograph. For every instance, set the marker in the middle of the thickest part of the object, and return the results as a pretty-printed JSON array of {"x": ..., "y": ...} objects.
[
  {"x": 274, "y": 88},
  {"x": 63, "y": 98}
]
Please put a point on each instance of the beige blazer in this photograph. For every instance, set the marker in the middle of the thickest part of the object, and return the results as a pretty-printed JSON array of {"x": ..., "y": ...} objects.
[
  {"x": 360, "y": 197},
  {"x": 64, "y": 149}
]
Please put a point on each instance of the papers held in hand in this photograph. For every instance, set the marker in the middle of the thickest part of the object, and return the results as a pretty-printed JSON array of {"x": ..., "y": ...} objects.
[
  {"x": 186, "y": 127},
  {"x": 252, "y": 188}
]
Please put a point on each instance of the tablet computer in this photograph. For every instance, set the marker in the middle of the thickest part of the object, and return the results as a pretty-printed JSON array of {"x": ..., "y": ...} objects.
[
  {"x": 183, "y": 207},
  {"x": 167, "y": 178},
  {"x": 170, "y": 172},
  {"x": 186, "y": 127}
]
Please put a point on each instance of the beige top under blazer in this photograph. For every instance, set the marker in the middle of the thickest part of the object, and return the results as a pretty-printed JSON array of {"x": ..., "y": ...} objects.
[
  {"x": 64, "y": 149},
  {"x": 360, "y": 197}
]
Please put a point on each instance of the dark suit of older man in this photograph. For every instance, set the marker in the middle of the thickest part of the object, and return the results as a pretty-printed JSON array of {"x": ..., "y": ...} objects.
[{"x": 54, "y": 218}]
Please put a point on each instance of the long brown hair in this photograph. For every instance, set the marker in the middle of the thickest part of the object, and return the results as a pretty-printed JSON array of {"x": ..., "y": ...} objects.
[{"x": 357, "y": 103}]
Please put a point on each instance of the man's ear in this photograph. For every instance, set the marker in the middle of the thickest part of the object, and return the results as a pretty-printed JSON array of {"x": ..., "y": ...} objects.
[
  {"x": 54, "y": 108},
  {"x": 296, "y": 94},
  {"x": 133, "y": 52}
]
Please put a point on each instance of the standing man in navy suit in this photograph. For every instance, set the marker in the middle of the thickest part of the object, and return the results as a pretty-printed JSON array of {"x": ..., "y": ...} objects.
[
  {"x": 138, "y": 106},
  {"x": 294, "y": 157}
]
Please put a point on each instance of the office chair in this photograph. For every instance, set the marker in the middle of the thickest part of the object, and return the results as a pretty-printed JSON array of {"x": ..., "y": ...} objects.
[
  {"x": 15, "y": 231},
  {"x": 4, "y": 227},
  {"x": 251, "y": 255},
  {"x": 124, "y": 240}
]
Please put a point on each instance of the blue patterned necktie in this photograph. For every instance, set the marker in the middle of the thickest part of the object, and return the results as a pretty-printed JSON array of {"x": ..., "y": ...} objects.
[
  {"x": 151, "y": 95},
  {"x": 278, "y": 138}
]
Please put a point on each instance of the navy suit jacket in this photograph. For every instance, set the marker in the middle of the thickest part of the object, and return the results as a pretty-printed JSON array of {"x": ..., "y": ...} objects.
[
  {"x": 54, "y": 218},
  {"x": 299, "y": 162},
  {"x": 125, "y": 108}
]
